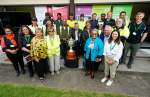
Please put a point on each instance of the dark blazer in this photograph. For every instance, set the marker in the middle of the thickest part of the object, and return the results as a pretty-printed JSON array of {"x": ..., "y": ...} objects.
[
  {"x": 102, "y": 36},
  {"x": 79, "y": 35}
]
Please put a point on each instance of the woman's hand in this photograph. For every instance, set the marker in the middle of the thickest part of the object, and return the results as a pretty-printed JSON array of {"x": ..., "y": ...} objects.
[
  {"x": 97, "y": 60},
  {"x": 36, "y": 59},
  {"x": 29, "y": 51},
  {"x": 110, "y": 62},
  {"x": 13, "y": 52},
  {"x": 84, "y": 55}
]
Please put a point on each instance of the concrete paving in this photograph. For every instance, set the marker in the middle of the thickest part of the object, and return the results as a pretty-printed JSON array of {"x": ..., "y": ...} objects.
[{"x": 75, "y": 79}]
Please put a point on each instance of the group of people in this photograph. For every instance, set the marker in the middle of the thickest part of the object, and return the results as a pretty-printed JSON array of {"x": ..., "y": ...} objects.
[{"x": 94, "y": 38}]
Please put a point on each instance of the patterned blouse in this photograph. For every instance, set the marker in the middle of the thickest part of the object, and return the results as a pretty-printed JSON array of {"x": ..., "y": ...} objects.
[{"x": 39, "y": 49}]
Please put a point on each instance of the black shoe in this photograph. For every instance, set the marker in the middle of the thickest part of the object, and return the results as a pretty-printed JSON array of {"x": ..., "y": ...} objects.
[
  {"x": 31, "y": 75},
  {"x": 129, "y": 66},
  {"x": 61, "y": 57},
  {"x": 23, "y": 71},
  {"x": 17, "y": 73}
]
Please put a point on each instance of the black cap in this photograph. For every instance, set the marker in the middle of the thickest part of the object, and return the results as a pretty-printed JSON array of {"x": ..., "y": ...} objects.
[
  {"x": 103, "y": 14},
  {"x": 58, "y": 14},
  {"x": 48, "y": 19},
  {"x": 34, "y": 19},
  {"x": 82, "y": 15},
  {"x": 46, "y": 14},
  {"x": 71, "y": 14}
]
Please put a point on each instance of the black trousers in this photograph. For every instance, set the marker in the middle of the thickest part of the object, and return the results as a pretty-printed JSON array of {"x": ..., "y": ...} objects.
[
  {"x": 41, "y": 68},
  {"x": 29, "y": 64},
  {"x": 64, "y": 49},
  {"x": 17, "y": 59}
]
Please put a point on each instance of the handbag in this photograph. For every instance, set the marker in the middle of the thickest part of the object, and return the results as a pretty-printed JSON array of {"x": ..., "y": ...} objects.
[{"x": 84, "y": 63}]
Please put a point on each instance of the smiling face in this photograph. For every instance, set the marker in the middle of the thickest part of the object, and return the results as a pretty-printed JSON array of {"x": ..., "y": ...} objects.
[
  {"x": 109, "y": 14},
  {"x": 88, "y": 25},
  {"x": 34, "y": 22},
  {"x": 122, "y": 16},
  {"x": 107, "y": 31},
  {"x": 25, "y": 30},
  {"x": 119, "y": 22},
  {"x": 76, "y": 26},
  {"x": 114, "y": 35},
  {"x": 49, "y": 22},
  {"x": 94, "y": 17},
  {"x": 94, "y": 34},
  {"x": 8, "y": 32},
  {"x": 39, "y": 33},
  {"x": 64, "y": 22},
  {"x": 100, "y": 26},
  {"x": 139, "y": 17},
  {"x": 51, "y": 32}
]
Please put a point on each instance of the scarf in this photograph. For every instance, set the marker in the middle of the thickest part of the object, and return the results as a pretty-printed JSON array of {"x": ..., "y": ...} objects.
[{"x": 11, "y": 38}]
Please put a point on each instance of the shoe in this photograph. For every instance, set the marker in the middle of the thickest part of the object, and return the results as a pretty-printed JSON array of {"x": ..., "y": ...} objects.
[
  {"x": 103, "y": 80},
  {"x": 41, "y": 79},
  {"x": 31, "y": 75},
  {"x": 61, "y": 57},
  {"x": 45, "y": 75},
  {"x": 109, "y": 83},
  {"x": 17, "y": 73},
  {"x": 23, "y": 71},
  {"x": 87, "y": 74},
  {"x": 129, "y": 66},
  {"x": 57, "y": 72},
  {"x": 92, "y": 76},
  {"x": 52, "y": 73}
]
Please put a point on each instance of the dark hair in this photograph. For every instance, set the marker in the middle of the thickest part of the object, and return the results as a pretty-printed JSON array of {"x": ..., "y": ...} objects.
[
  {"x": 94, "y": 14},
  {"x": 58, "y": 14},
  {"x": 20, "y": 32},
  {"x": 9, "y": 27},
  {"x": 118, "y": 38},
  {"x": 122, "y": 12}
]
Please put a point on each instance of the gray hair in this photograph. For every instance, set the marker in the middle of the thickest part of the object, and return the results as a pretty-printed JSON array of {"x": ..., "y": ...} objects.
[
  {"x": 107, "y": 26},
  {"x": 64, "y": 19},
  {"x": 95, "y": 30},
  {"x": 37, "y": 30}
]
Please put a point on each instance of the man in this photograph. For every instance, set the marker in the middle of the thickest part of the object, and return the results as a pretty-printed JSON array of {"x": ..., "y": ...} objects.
[
  {"x": 71, "y": 22},
  {"x": 58, "y": 22},
  {"x": 47, "y": 16},
  {"x": 100, "y": 28},
  {"x": 106, "y": 35},
  {"x": 124, "y": 31},
  {"x": 77, "y": 36},
  {"x": 94, "y": 22},
  {"x": 102, "y": 17},
  {"x": 34, "y": 25},
  {"x": 64, "y": 32},
  {"x": 48, "y": 24},
  {"x": 108, "y": 20},
  {"x": 138, "y": 32},
  {"x": 125, "y": 21},
  {"x": 81, "y": 22}
]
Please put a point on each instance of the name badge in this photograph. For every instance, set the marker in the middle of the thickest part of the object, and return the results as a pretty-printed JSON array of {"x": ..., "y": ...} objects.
[
  {"x": 27, "y": 45},
  {"x": 52, "y": 47},
  {"x": 134, "y": 33},
  {"x": 12, "y": 45}
]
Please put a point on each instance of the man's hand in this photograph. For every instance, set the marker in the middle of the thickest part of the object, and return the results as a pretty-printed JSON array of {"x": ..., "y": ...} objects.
[
  {"x": 13, "y": 52},
  {"x": 80, "y": 44},
  {"x": 97, "y": 60},
  {"x": 64, "y": 39}
]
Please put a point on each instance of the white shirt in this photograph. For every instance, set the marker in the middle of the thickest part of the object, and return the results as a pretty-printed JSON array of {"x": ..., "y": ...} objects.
[{"x": 117, "y": 50}]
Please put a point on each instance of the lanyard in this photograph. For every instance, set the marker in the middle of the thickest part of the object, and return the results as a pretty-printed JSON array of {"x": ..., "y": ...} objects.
[
  {"x": 27, "y": 39},
  {"x": 51, "y": 41},
  {"x": 138, "y": 27},
  {"x": 111, "y": 46},
  {"x": 107, "y": 22}
]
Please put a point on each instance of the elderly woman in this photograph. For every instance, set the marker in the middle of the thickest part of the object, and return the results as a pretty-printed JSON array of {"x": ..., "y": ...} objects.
[
  {"x": 24, "y": 44},
  {"x": 53, "y": 44},
  {"x": 112, "y": 53},
  {"x": 86, "y": 33},
  {"x": 77, "y": 36},
  {"x": 39, "y": 53},
  {"x": 9, "y": 44},
  {"x": 93, "y": 51}
]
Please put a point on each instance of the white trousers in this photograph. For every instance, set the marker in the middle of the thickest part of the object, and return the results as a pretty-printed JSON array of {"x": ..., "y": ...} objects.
[{"x": 54, "y": 63}]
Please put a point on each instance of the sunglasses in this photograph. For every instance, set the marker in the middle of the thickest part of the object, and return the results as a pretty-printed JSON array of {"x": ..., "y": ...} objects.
[
  {"x": 94, "y": 34},
  {"x": 50, "y": 31},
  {"x": 64, "y": 21}
]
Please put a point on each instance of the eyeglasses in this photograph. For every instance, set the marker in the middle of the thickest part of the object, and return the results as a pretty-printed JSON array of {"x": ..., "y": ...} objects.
[
  {"x": 94, "y": 34},
  {"x": 64, "y": 21},
  {"x": 50, "y": 31}
]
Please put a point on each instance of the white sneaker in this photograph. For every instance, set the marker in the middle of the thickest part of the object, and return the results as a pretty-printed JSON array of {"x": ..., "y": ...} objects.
[
  {"x": 103, "y": 80},
  {"x": 52, "y": 73},
  {"x": 57, "y": 72},
  {"x": 109, "y": 83}
]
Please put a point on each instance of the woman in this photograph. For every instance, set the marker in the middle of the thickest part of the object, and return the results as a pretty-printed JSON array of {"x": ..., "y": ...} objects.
[
  {"x": 53, "y": 44},
  {"x": 39, "y": 53},
  {"x": 86, "y": 33},
  {"x": 77, "y": 36},
  {"x": 9, "y": 45},
  {"x": 100, "y": 28},
  {"x": 93, "y": 51},
  {"x": 24, "y": 44},
  {"x": 112, "y": 53}
]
